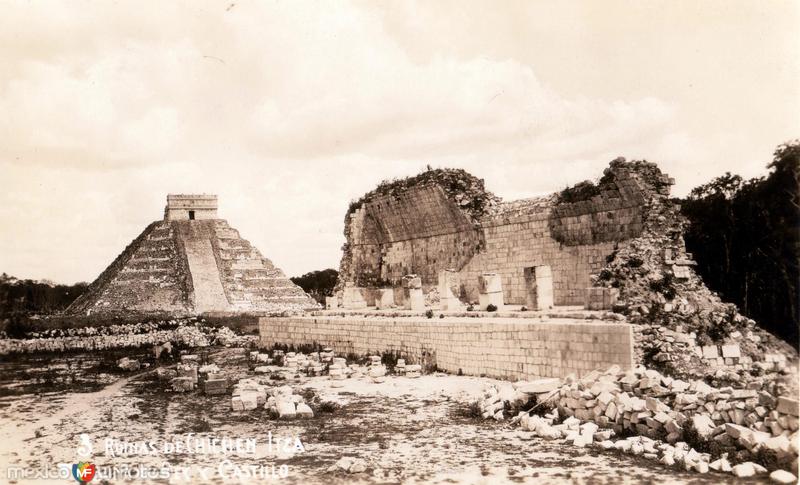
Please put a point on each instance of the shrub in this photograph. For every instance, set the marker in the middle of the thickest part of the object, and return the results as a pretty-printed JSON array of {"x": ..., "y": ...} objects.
[
  {"x": 470, "y": 411},
  {"x": 328, "y": 407},
  {"x": 429, "y": 313},
  {"x": 441, "y": 315},
  {"x": 664, "y": 286},
  {"x": 635, "y": 262},
  {"x": 491, "y": 308},
  {"x": 604, "y": 275}
]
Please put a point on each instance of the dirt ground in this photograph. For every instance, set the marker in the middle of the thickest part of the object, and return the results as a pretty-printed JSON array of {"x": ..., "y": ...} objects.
[{"x": 406, "y": 430}]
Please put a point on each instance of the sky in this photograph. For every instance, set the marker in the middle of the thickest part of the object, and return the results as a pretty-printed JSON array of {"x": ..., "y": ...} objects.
[{"x": 289, "y": 110}]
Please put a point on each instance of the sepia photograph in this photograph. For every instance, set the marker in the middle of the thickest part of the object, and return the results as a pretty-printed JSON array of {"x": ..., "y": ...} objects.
[{"x": 399, "y": 242}]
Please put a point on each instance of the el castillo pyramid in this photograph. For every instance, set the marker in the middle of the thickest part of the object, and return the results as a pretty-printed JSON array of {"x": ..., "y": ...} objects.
[{"x": 191, "y": 263}]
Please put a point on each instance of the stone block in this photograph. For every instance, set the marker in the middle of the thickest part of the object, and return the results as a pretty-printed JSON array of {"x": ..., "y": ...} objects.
[
  {"x": 286, "y": 408},
  {"x": 731, "y": 351},
  {"x": 214, "y": 387},
  {"x": 304, "y": 411},
  {"x": 187, "y": 371},
  {"x": 183, "y": 384},
  {"x": 710, "y": 352},
  {"x": 787, "y": 406}
]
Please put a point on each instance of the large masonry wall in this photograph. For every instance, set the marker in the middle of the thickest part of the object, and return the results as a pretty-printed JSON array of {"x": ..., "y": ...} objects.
[
  {"x": 423, "y": 229},
  {"x": 418, "y": 231},
  {"x": 507, "y": 349}
]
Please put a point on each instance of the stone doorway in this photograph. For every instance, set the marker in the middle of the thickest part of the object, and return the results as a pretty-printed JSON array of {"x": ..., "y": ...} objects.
[
  {"x": 539, "y": 288},
  {"x": 191, "y": 215}
]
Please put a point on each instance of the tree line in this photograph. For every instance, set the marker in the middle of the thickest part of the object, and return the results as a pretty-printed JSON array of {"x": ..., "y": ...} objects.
[
  {"x": 28, "y": 297},
  {"x": 745, "y": 237}
]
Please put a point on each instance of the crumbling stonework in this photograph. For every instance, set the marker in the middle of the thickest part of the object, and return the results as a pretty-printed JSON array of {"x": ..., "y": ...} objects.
[
  {"x": 190, "y": 266},
  {"x": 421, "y": 227}
]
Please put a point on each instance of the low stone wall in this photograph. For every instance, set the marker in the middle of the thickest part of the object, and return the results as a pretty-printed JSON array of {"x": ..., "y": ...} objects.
[{"x": 502, "y": 348}]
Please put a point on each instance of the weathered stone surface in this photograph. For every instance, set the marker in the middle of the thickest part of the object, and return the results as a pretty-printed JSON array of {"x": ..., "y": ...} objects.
[
  {"x": 782, "y": 476},
  {"x": 788, "y": 406}
]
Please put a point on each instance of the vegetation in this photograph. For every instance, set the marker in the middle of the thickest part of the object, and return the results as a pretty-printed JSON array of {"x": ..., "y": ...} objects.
[
  {"x": 28, "y": 297},
  {"x": 318, "y": 284},
  {"x": 476, "y": 200},
  {"x": 745, "y": 237}
]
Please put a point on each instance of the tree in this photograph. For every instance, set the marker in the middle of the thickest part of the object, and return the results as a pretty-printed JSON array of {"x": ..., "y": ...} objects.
[
  {"x": 318, "y": 284},
  {"x": 745, "y": 236}
]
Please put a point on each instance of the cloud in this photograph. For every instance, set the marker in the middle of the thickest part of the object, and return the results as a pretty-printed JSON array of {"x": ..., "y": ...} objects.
[{"x": 288, "y": 110}]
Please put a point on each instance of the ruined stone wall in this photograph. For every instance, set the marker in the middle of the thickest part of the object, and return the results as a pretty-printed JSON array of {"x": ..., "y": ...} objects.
[
  {"x": 506, "y": 349},
  {"x": 419, "y": 230},
  {"x": 422, "y": 230}
]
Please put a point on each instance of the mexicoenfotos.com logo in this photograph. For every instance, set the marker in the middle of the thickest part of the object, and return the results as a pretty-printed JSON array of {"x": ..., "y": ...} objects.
[{"x": 83, "y": 472}]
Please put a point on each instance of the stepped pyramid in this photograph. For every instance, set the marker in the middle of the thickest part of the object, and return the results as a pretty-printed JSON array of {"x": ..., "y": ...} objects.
[{"x": 191, "y": 262}]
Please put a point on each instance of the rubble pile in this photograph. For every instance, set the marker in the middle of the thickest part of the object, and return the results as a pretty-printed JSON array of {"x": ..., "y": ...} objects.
[
  {"x": 495, "y": 398},
  {"x": 128, "y": 364},
  {"x": 187, "y": 332},
  {"x": 656, "y": 284},
  {"x": 732, "y": 427},
  {"x": 324, "y": 361},
  {"x": 249, "y": 394},
  {"x": 678, "y": 354}
]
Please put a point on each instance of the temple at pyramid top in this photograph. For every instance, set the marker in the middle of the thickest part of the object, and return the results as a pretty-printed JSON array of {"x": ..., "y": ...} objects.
[
  {"x": 189, "y": 207},
  {"x": 191, "y": 262}
]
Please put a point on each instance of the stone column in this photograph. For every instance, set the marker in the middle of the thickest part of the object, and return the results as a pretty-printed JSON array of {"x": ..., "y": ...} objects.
[
  {"x": 449, "y": 288},
  {"x": 539, "y": 288},
  {"x": 384, "y": 298},
  {"x": 490, "y": 291},
  {"x": 412, "y": 289}
]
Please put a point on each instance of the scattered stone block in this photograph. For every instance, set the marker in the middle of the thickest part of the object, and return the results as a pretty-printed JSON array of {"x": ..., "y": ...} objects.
[
  {"x": 540, "y": 386},
  {"x": 183, "y": 384},
  {"x": 128, "y": 364},
  {"x": 286, "y": 408},
  {"x": 213, "y": 387},
  {"x": 782, "y": 476},
  {"x": 304, "y": 411},
  {"x": 710, "y": 352},
  {"x": 788, "y": 406}
]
